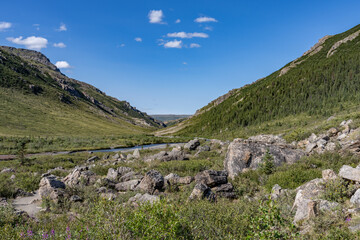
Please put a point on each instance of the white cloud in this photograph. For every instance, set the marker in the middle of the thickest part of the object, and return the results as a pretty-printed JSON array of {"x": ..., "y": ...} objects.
[
  {"x": 173, "y": 44},
  {"x": 178, "y": 21},
  {"x": 138, "y": 39},
  {"x": 194, "y": 45},
  {"x": 187, "y": 35},
  {"x": 205, "y": 19},
  {"x": 4, "y": 26},
  {"x": 35, "y": 43},
  {"x": 185, "y": 63},
  {"x": 59, "y": 45},
  {"x": 208, "y": 28},
  {"x": 156, "y": 16},
  {"x": 122, "y": 45},
  {"x": 62, "y": 27},
  {"x": 62, "y": 64}
]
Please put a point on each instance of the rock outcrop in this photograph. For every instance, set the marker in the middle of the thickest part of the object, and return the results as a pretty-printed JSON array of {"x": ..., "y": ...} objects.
[{"x": 51, "y": 188}]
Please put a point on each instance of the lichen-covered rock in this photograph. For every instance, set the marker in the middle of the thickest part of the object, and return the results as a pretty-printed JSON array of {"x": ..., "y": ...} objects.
[
  {"x": 247, "y": 154},
  {"x": 355, "y": 199},
  {"x": 211, "y": 178},
  {"x": 152, "y": 181},
  {"x": 201, "y": 191}
]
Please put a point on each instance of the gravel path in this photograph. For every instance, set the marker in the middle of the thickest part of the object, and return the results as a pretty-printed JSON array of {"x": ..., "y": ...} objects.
[{"x": 31, "y": 204}]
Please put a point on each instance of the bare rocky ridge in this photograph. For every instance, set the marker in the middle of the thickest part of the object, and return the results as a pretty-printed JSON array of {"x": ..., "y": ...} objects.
[{"x": 339, "y": 43}]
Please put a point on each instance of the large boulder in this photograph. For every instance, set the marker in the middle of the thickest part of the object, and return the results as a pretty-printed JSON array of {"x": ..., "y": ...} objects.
[
  {"x": 249, "y": 154},
  {"x": 80, "y": 176},
  {"x": 306, "y": 200},
  {"x": 174, "y": 179},
  {"x": 201, "y": 191},
  {"x": 211, "y": 178},
  {"x": 152, "y": 181},
  {"x": 192, "y": 145},
  {"x": 51, "y": 188},
  {"x": 350, "y": 173}
]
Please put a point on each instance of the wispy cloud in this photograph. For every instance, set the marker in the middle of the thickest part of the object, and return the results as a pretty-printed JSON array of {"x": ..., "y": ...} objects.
[
  {"x": 185, "y": 63},
  {"x": 37, "y": 26},
  {"x": 62, "y": 27},
  {"x": 208, "y": 28},
  {"x": 62, "y": 64},
  {"x": 4, "y": 26},
  {"x": 187, "y": 35},
  {"x": 173, "y": 44},
  {"x": 178, "y": 21},
  {"x": 195, "y": 45},
  {"x": 138, "y": 39},
  {"x": 35, "y": 43},
  {"x": 205, "y": 19},
  {"x": 59, "y": 45},
  {"x": 156, "y": 16}
]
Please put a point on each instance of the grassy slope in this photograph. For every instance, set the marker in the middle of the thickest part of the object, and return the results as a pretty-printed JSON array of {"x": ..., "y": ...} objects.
[
  {"x": 24, "y": 113},
  {"x": 303, "y": 97}
]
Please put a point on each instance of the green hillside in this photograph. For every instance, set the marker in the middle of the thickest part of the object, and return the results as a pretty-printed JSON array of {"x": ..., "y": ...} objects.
[
  {"x": 36, "y": 99},
  {"x": 323, "y": 82}
]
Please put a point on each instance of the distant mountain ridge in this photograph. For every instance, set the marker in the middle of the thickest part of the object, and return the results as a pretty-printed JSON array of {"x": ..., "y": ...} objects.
[
  {"x": 34, "y": 93},
  {"x": 319, "y": 83}
]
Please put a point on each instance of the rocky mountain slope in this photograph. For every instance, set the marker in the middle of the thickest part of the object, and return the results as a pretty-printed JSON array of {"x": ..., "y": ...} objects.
[
  {"x": 37, "y": 99},
  {"x": 325, "y": 80}
]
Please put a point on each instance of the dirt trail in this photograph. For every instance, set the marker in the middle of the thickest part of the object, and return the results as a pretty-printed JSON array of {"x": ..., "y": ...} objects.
[{"x": 31, "y": 204}]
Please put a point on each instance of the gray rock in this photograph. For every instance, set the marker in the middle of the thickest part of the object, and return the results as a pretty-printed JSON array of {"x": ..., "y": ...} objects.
[
  {"x": 7, "y": 170},
  {"x": 118, "y": 173},
  {"x": 131, "y": 176},
  {"x": 310, "y": 147},
  {"x": 332, "y": 132},
  {"x": 143, "y": 198},
  {"x": 75, "y": 198},
  {"x": 127, "y": 186},
  {"x": 225, "y": 190},
  {"x": 105, "y": 182},
  {"x": 211, "y": 178},
  {"x": 270, "y": 139},
  {"x": 80, "y": 176},
  {"x": 355, "y": 199},
  {"x": 306, "y": 199},
  {"x": 51, "y": 188},
  {"x": 330, "y": 147},
  {"x": 192, "y": 145},
  {"x": 313, "y": 138},
  {"x": 12, "y": 177},
  {"x": 93, "y": 159},
  {"x": 244, "y": 154},
  {"x": 329, "y": 174},
  {"x": 152, "y": 181},
  {"x": 350, "y": 173},
  {"x": 136, "y": 154},
  {"x": 201, "y": 191}
]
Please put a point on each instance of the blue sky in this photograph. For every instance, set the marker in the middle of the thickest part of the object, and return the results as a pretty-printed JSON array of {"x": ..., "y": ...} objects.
[{"x": 224, "y": 44}]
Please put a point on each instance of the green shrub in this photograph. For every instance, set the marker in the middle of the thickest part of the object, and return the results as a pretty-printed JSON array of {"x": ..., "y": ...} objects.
[
  {"x": 267, "y": 166},
  {"x": 157, "y": 221},
  {"x": 337, "y": 190},
  {"x": 267, "y": 223}
]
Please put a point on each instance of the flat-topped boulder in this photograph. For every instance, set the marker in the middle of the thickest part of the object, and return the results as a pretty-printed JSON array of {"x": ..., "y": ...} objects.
[
  {"x": 350, "y": 173},
  {"x": 152, "y": 181},
  {"x": 211, "y": 178}
]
